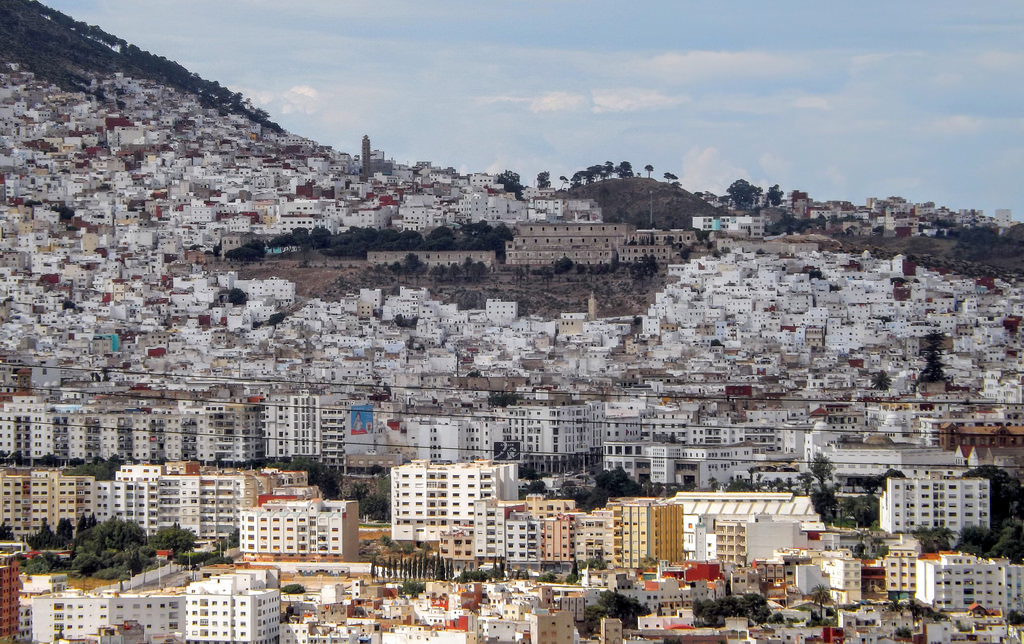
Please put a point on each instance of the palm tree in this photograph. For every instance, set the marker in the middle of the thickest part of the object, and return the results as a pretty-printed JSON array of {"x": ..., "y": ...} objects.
[
  {"x": 820, "y": 595},
  {"x": 806, "y": 481},
  {"x": 649, "y": 168},
  {"x": 880, "y": 381},
  {"x": 564, "y": 181}
]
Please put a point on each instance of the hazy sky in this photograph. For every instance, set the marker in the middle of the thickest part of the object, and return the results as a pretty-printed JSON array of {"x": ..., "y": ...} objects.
[{"x": 846, "y": 101}]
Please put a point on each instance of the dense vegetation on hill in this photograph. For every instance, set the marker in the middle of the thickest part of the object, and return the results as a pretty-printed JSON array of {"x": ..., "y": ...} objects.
[
  {"x": 633, "y": 199},
  {"x": 69, "y": 53},
  {"x": 357, "y": 242}
]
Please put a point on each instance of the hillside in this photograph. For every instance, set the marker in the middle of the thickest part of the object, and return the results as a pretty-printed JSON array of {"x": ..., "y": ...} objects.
[
  {"x": 329, "y": 278},
  {"x": 632, "y": 200},
  {"x": 974, "y": 252},
  {"x": 68, "y": 53}
]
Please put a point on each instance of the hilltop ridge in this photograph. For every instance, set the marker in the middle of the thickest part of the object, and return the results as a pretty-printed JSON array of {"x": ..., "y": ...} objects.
[
  {"x": 633, "y": 200},
  {"x": 71, "y": 54}
]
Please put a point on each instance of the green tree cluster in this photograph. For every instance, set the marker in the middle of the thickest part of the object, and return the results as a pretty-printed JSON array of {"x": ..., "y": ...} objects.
[
  {"x": 608, "y": 484},
  {"x": 600, "y": 172},
  {"x": 318, "y": 238},
  {"x": 862, "y": 509},
  {"x": 251, "y": 251},
  {"x": 357, "y": 242},
  {"x": 644, "y": 268},
  {"x": 510, "y": 181},
  {"x": 744, "y": 195},
  {"x": 412, "y": 567},
  {"x": 614, "y": 605},
  {"x": 100, "y": 469},
  {"x": 714, "y": 612},
  {"x": 468, "y": 271},
  {"x": 374, "y": 495},
  {"x": 503, "y": 398}
]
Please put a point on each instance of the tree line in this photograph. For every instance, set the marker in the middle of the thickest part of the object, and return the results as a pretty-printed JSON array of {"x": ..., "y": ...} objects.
[
  {"x": 357, "y": 242},
  {"x": 71, "y": 49},
  {"x": 113, "y": 549}
]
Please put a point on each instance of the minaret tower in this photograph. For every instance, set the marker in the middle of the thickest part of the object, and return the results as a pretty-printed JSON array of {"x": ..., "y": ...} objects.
[{"x": 364, "y": 174}]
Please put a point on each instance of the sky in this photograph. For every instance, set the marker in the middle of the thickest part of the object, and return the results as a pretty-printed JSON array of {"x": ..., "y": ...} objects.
[{"x": 841, "y": 100}]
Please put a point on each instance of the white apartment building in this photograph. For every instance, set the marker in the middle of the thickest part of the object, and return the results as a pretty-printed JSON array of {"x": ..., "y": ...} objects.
[
  {"x": 244, "y": 606},
  {"x": 679, "y": 464},
  {"x": 954, "y": 581},
  {"x": 702, "y": 510},
  {"x": 926, "y": 502},
  {"x": 73, "y": 615},
  {"x": 556, "y": 438},
  {"x": 292, "y": 424},
  {"x": 843, "y": 573},
  {"x": 430, "y": 498},
  {"x": 749, "y": 225},
  {"x": 297, "y": 529},
  {"x": 230, "y": 432},
  {"x": 207, "y": 504},
  {"x": 133, "y": 495}
]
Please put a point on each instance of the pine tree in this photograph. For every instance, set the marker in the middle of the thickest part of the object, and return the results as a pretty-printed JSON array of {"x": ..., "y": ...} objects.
[
  {"x": 931, "y": 351},
  {"x": 65, "y": 531}
]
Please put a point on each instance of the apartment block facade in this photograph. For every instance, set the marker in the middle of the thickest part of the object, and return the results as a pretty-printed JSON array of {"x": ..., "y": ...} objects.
[
  {"x": 646, "y": 529},
  {"x": 244, "y": 606},
  {"x": 955, "y": 581},
  {"x": 288, "y": 529},
  {"x": 924, "y": 502},
  {"x": 428, "y": 499}
]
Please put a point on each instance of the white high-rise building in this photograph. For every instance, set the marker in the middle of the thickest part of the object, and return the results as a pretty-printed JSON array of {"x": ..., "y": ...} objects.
[
  {"x": 428, "y": 499},
  {"x": 292, "y": 424},
  {"x": 327, "y": 529},
  {"x": 953, "y": 581},
  {"x": 557, "y": 438},
  {"x": 925, "y": 502},
  {"x": 75, "y": 615},
  {"x": 244, "y": 606}
]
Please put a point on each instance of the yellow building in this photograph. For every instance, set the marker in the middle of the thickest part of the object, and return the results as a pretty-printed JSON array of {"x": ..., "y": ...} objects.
[
  {"x": 542, "y": 508},
  {"x": 646, "y": 528},
  {"x": 31, "y": 497},
  {"x": 901, "y": 567},
  {"x": 552, "y": 627}
]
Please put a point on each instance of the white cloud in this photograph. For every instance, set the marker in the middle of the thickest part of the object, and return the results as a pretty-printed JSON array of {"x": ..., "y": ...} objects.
[
  {"x": 558, "y": 102},
  {"x": 835, "y": 177},
  {"x": 811, "y": 103},
  {"x": 1001, "y": 60},
  {"x": 633, "y": 100},
  {"x": 493, "y": 100},
  {"x": 957, "y": 124},
  {"x": 705, "y": 169},
  {"x": 298, "y": 99},
  {"x": 302, "y": 99},
  {"x": 774, "y": 166},
  {"x": 691, "y": 66}
]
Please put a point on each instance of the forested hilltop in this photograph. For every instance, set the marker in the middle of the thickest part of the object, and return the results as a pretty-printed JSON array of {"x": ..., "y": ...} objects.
[{"x": 69, "y": 53}]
